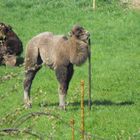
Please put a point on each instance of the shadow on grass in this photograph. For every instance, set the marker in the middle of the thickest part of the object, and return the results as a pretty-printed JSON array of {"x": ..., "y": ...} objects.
[
  {"x": 110, "y": 103},
  {"x": 104, "y": 103},
  {"x": 76, "y": 105},
  {"x": 45, "y": 104}
]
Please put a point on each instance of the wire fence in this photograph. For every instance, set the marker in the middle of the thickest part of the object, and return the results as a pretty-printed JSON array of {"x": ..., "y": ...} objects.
[
  {"x": 16, "y": 118},
  {"x": 15, "y": 129}
]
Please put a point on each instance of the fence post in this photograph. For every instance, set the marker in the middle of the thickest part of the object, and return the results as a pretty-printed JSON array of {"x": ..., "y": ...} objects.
[
  {"x": 82, "y": 109},
  {"x": 94, "y": 4},
  {"x": 89, "y": 77},
  {"x": 72, "y": 122}
]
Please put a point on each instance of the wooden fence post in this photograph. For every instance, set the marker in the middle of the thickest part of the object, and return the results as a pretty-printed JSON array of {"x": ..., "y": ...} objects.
[
  {"x": 72, "y": 122},
  {"x": 94, "y": 4}
]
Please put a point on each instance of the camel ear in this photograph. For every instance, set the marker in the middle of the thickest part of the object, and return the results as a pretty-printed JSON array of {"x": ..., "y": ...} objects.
[
  {"x": 70, "y": 34},
  {"x": 76, "y": 30}
]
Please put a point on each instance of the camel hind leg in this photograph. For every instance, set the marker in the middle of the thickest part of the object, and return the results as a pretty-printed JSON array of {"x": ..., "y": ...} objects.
[{"x": 33, "y": 63}]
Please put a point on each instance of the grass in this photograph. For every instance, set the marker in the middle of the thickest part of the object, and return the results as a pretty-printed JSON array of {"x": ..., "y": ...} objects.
[{"x": 115, "y": 70}]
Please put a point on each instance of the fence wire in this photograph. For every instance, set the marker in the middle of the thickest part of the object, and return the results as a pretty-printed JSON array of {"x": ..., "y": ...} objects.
[{"x": 16, "y": 123}]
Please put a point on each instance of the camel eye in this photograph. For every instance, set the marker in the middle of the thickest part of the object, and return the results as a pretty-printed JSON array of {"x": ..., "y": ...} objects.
[{"x": 81, "y": 32}]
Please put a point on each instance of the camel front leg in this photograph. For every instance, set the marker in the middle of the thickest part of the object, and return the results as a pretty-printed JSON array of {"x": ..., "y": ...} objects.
[
  {"x": 61, "y": 74},
  {"x": 64, "y": 75}
]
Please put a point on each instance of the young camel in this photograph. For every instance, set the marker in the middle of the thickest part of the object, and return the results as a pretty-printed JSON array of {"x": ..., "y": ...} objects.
[{"x": 58, "y": 52}]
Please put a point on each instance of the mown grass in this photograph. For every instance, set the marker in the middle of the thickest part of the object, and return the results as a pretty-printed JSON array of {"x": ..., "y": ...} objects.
[{"x": 115, "y": 70}]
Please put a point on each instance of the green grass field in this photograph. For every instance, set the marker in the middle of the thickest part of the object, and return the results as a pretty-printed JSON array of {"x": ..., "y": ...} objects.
[{"x": 115, "y": 37}]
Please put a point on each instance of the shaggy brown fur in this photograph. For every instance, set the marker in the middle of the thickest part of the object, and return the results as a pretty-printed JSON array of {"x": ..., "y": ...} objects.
[
  {"x": 59, "y": 53},
  {"x": 10, "y": 44}
]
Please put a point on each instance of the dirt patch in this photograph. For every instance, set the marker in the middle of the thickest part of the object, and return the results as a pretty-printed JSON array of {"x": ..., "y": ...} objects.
[
  {"x": 136, "y": 3},
  {"x": 131, "y": 3}
]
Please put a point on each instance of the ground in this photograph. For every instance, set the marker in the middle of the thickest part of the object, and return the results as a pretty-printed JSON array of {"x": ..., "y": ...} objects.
[{"x": 115, "y": 46}]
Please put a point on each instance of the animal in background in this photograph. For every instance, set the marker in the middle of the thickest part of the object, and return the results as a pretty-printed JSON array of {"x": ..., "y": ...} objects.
[{"x": 10, "y": 45}]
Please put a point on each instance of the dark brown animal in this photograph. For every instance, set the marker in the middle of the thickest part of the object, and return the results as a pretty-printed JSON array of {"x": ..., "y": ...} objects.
[
  {"x": 59, "y": 53},
  {"x": 10, "y": 44}
]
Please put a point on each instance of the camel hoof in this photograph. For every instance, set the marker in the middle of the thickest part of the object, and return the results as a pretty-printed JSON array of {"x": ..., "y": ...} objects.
[
  {"x": 62, "y": 107},
  {"x": 27, "y": 104}
]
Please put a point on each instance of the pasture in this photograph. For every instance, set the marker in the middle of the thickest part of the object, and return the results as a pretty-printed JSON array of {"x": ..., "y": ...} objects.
[{"x": 115, "y": 48}]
